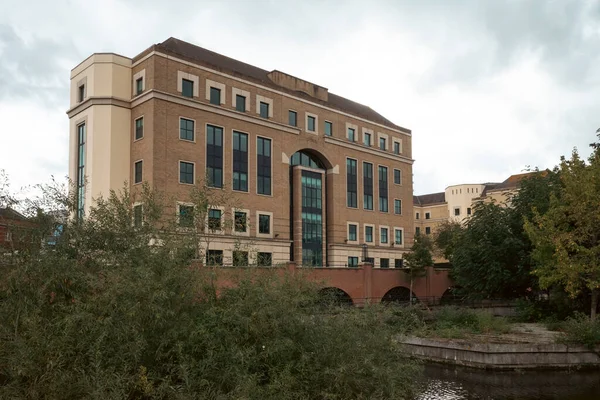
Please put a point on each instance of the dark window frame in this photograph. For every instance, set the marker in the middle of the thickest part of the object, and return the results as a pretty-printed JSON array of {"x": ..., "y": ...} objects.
[
  {"x": 264, "y": 229},
  {"x": 396, "y": 242},
  {"x": 351, "y": 182},
  {"x": 215, "y": 219},
  {"x": 187, "y": 88},
  {"x": 214, "y": 258},
  {"x": 310, "y": 128},
  {"x": 382, "y": 236},
  {"x": 215, "y": 142},
  {"x": 366, "y": 136},
  {"x": 138, "y": 172},
  {"x": 382, "y": 143},
  {"x": 398, "y": 206},
  {"x": 350, "y": 234},
  {"x": 185, "y": 220},
  {"x": 292, "y": 118},
  {"x": 240, "y": 161},
  {"x": 185, "y": 133},
  {"x": 215, "y": 96},
  {"x": 186, "y": 174},
  {"x": 328, "y": 132},
  {"x": 264, "y": 170},
  {"x": 138, "y": 215},
  {"x": 397, "y": 149},
  {"x": 351, "y": 137},
  {"x": 384, "y": 263},
  {"x": 240, "y": 105},
  {"x": 368, "y": 186},
  {"x": 264, "y": 111},
  {"x": 352, "y": 262},
  {"x": 139, "y": 128},
  {"x": 383, "y": 188},
  {"x": 237, "y": 225},
  {"x": 371, "y": 235},
  {"x": 397, "y": 176},
  {"x": 81, "y": 93},
  {"x": 139, "y": 85},
  {"x": 264, "y": 259}
]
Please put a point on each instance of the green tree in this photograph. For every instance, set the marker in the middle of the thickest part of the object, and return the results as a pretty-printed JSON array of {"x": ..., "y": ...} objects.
[
  {"x": 418, "y": 259},
  {"x": 567, "y": 236}
]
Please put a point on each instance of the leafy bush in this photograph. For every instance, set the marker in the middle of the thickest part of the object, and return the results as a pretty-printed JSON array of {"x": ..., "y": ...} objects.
[
  {"x": 582, "y": 330},
  {"x": 450, "y": 319}
]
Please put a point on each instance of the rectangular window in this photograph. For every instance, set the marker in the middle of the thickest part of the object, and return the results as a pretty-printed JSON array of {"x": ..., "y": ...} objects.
[
  {"x": 351, "y": 183},
  {"x": 215, "y": 96},
  {"x": 310, "y": 123},
  {"x": 468, "y": 210},
  {"x": 418, "y": 216},
  {"x": 367, "y": 139},
  {"x": 214, "y": 219},
  {"x": 456, "y": 211},
  {"x": 398, "y": 206},
  {"x": 139, "y": 85},
  {"x": 398, "y": 236},
  {"x": 352, "y": 262},
  {"x": 264, "y": 109},
  {"x": 427, "y": 230},
  {"x": 383, "y": 189},
  {"x": 137, "y": 172},
  {"x": 396, "y": 148},
  {"x": 186, "y": 129},
  {"x": 351, "y": 135},
  {"x": 381, "y": 143},
  {"x": 187, "y": 88},
  {"x": 240, "y": 161},
  {"x": 240, "y": 103},
  {"x": 384, "y": 263},
  {"x": 214, "y": 258},
  {"x": 81, "y": 93},
  {"x": 352, "y": 233},
  {"x": 418, "y": 230},
  {"x": 80, "y": 170},
  {"x": 264, "y": 224},
  {"x": 427, "y": 215},
  {"x": 186, "y": 172},
  {"x": 292, "y": 118},
  {"x": 398, "y": 263},
  {"x": 139, "y": 128},
  {"x": 263, "y": 166},
  {"x": 214, "y": 155},
  {"x": 239, "y": 258},
  {"x": 138, "y": 216},
  {"x": 240, "y": 221},
  {"x": 186, "y": 216},
  {"x": 397, "y": 177},
  {"x": 368, "y": 185},
  {"x": 264, "y": 259},
  {"x": 383, "y": 232},
  {"x": 328, "y": 128},
  {"x": 368, "y": 234}
]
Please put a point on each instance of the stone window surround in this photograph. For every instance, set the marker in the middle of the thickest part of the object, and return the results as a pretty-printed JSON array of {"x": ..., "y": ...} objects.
[
  {"x": 399, "y": 141},
  {"x": 215, "y": 232},
  {"x": 179, "y": 172},
  {"x": 235, "y": 92},
  {"x": 179, "y": 130},
  {"x": 233, "y": 231},
  {"x": 263, "y": 99},
  {"x": 397, "y": 228},
  {"x": 365, "y": 234},
  {"x": 184, "y": 75},
  {"x": 216, "y": 85},
  {"x": 387, "y": 140},
  {"x": 348, "y": 223},
  {"x": 388, "y": 235},
  {"x": 367, "y": 130},
  {"x": 178, "y": 212},
  {"x": 80, "y": 83},
  {"x": 454, "y": 212},
  {"x": 352, "y": 126},
  {"x": 141, "y": 74},
  {"x": 264, "y": 235},
  {"x": 316, "y": 117},
  {"x": 394, "y": 177}
]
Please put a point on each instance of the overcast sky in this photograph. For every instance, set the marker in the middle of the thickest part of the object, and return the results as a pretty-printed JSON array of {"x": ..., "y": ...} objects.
[{"x": 487, "y": 87}]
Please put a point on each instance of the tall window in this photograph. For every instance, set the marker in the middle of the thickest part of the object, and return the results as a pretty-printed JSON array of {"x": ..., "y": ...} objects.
[
  {"x": 240, "y": 103},
  {"x": 351, "y": 183},
  {"x": 417, "y": 230},
  {"x": 240, "y": 221},
  {"x": 264, "y": 109},
  {"x": 468, "y": 210},
  {"x": 80, "y": 170},
  {"x": 397, "y": 177},
  {"x": 139, "y": 85},
  {"x": 382, "y": 143},
  {"x": 264, "y": 224},
  {"x": 137, "y": 172},
  {"x": 186, "y": 129},
  {"x": 368, "y": 185},
  {"x": 310, "y": 123},
  {"x": 427, "y": 215},
  {"x": 187, "y": 88},
  {"x": 398, "y": 206},
  {"x": 351, "y": 134},
  {"x": 138, "y": 216},
  {"x": 215, "y": 96},
  {"x": 186, "y": 172},
  {"x": 240, "y": 161},
  {"x": 139, "y": 128},
  {"x": 81, "y": 93},
  {"x": 214, "y": 219},
  {"x": 383, "y": 189},
  {"x": 398, "y": 236},
  {"x": 367, "y": 139},
  {"x": 383, "y": 232},
  {"x": 214, "y": 155},
  {"x": 312, "y": 219},
  {"x": 352, "y": 233},
  {"x": 418, "y": 216},
  {"x": 427, "y": 230},
  {"x": 263, "y": 165},
  {"x": 328, "y": 128},
  {"x": 368, "y": 234},
  {"x": 292, "y": 118},
  {"x": 186, "y": 216},
  {"x": 396, "y": 148}
]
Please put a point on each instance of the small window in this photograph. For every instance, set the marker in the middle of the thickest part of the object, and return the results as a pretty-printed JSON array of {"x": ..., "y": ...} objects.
[
  {"x": 214, "y": 219},
  {"x": 367, "y": 139},
  {"x": 456, "y": 212},
  {"x": 383, "y": 232},
  {"x": 476, "y": 190},
  {"x": 418, "y": 216},
  {"x": 240, "y": 258},
  {"x": 292, "y": 118},
  {"x": 214, "y": 258},
  {"x": 215, "y": 96},
  {"x": 264, "y": 259},
  {"x": 186, "y": 216},
  {"x": 187, "y": 88},
  {"x": 418, "y": 230},
  {"x": 398, "y": 263},
  {"x": 81, "y": 93},
  {"x": 351, "y": 134},
  {"x": 186, "y": 129},
  {"x": 427, "y": 215},
  {"x": 368, "y": 234},
  {"x": 352, "y": 262},
  {"x": 139, "y": 85},
  {"x": 384, "y": 263},
  {"x": 398, "y": 206},
  {"x": 397, "y": 177},
  {"x": 186, "y": 172},
  {"x": 264, "y": 109},
  {"x": 352, "y": 232},
  {"x": 240, "y": 103},
  {"x": 328, "y": 128},
  {"x": 264, "y": 224},
  {"x": 396, "y": 148},
  {"x": 382, "y": 144},
  {"x": 138, "y": 216},
  {"x": 468, "y": 210},
  {"x": 139, "y": 128},
  {"x": 427, "y": 230},
  {"x": 240, "y": 221},
  {"x": 398, "y": 237},
  {"x": 310, "y": 123},
  {"x": 138, "y": 170}
]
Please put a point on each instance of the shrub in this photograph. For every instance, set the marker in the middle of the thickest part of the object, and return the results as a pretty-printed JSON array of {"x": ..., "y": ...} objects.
[
  {"x": 450, "y": 319},
  {"x": 582, "y": 330}
]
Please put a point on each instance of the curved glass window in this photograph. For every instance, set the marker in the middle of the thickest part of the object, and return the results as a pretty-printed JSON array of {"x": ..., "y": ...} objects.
[{"x": 306, "y": 159}]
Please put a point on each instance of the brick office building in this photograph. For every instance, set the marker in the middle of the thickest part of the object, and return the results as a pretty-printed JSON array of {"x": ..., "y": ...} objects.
[{"x": 319, "y": 179}]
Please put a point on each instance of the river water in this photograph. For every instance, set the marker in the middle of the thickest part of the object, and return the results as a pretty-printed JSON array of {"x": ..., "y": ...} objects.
[{"x": 455, "y": 383}]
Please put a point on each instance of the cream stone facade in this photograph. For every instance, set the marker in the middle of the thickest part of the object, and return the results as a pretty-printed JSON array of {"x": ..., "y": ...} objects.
[{"x": 150, "y": 119}]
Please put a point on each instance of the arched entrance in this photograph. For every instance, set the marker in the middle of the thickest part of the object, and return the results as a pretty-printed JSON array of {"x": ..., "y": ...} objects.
[
  {"x": 308, "y": 208},
  {"x": 400, "y": 295},
  {"x": 335, "y": 296}
]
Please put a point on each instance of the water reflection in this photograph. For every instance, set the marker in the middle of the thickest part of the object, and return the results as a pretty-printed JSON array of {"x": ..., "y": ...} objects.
[{"x": 453, "y": 383}]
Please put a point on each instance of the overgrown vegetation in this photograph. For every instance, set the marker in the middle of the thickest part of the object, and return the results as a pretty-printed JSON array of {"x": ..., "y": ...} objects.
[{"x": 579, "y": 329}]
